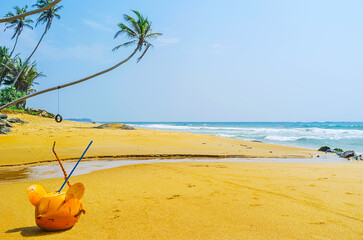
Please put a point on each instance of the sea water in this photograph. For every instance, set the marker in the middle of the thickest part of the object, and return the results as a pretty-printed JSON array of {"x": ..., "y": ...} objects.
[{"x": 344, "y": 135}]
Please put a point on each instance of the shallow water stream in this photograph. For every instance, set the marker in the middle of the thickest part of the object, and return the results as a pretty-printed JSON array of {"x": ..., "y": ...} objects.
[{"x": 54, "y": 171}]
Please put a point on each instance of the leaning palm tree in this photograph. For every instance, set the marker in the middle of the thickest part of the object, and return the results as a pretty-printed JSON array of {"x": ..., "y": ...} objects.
[
  {"x": 36, "y": 11},
  {"x": 45, "y": 17},
  {"x": 18, "y": 24},
  {"x": 139, "y": 32}
]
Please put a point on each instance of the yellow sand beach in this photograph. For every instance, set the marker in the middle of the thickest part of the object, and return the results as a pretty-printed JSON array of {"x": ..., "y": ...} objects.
[
  {"x": 204, "y": 201},
  {"x": 186, "y": 200},
  {"x": 32, "y": 143}
]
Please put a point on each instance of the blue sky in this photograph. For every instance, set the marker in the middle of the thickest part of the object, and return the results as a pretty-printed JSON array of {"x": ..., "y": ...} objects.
[{"x": 217, "y": 61}]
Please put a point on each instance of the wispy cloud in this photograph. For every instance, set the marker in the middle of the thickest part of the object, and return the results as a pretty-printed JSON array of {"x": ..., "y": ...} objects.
[
  {"x": 217, "y": 48},
  {"x": 162, "y": 41},
  {"x": 96, "y": 25}
]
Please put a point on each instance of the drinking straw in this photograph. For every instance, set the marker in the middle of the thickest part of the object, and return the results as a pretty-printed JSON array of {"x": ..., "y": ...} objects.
[
  {"x": 75, "y": 167},
  {"x": 61, "y": 165}
]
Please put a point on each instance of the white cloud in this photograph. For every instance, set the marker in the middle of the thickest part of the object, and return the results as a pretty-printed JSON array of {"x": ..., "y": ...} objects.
[
  {"x": 162, "y": 41},
  {"x": 96, "y": 25}
]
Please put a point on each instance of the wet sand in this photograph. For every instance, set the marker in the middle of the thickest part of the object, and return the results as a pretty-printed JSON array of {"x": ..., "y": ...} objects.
[
  {"x": 219, "y": 200},
  {"x": 32, "y": 144}
]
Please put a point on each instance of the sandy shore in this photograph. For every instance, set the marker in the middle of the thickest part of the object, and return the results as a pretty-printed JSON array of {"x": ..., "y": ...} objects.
[
  {"x": 204, "y": 201},
  {"x": 220, "y": 200},
  {"x": 32, "y": 143}
]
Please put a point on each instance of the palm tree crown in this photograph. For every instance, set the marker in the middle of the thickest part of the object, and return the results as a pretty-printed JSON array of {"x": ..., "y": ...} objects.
[
  {"x": 26, "y": 79},
  {"x": 48, "y": 15},
  {"x": 20, "y": 23},
  {"x": 4, "y": 58},
  {"x": 139, "y": 31}
]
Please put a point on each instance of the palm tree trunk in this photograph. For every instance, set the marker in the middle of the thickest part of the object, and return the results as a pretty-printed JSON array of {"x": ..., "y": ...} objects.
[
  {"x": 71, "y": 83},
  {"x": 17, "y": 77},
  {"x": 10, "y": 19},
  {"x": 16, "y": 42}
]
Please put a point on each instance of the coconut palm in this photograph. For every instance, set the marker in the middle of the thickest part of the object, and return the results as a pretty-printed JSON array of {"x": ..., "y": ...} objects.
[
  {"x": 139, "y": 31},
  {"x": 4, "y": 58},
  {"x": 36, "y": 11},
  {"x": 45, "y": 17},
  {"x": 140, "y": 34},
  {"x": 18, "y": 24},
  {"x": 26, "y": 80}
]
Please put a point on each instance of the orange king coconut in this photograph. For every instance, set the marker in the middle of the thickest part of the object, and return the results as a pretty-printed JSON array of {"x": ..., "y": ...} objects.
[{"x": 58, "y": 210}]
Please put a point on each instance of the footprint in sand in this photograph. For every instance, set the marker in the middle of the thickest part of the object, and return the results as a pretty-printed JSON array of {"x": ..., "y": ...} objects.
[
  {"x": 255, "y": 205},
  {"x": 200, "y": 165},
  {"x": 221, "y": 166},
  {"x": 190, "y": 185},
  {"x": 318, "y": 223},
  {"x": 349, "y": 193},
  {"x": 322, "y": 178},
  {"x": 173, "y": 197}
]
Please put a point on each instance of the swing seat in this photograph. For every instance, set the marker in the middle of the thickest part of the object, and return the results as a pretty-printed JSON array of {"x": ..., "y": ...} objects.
[{"x": 56, "y": 211}]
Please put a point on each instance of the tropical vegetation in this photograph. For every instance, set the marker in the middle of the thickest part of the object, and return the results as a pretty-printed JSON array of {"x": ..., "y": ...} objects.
[
  {"x": 9, "y": 94},
  {"x": 21, "y": 76}
]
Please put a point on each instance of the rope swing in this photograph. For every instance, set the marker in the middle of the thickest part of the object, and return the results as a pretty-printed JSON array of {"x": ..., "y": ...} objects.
[{"x": 58, "y": 117}]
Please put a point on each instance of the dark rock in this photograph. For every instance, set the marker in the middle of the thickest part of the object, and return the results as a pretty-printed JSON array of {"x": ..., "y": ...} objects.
[
  {"x": 3, "y": 116},
  {"x": 16, "y": 120},
  {"x": 348, "y": 154},
  {"x": 7, "y": 124},
  {"x": 338, "y": 150},
  {"x": 5, "y": 130},
  {"x": 325, "y": 149},
  {"x": 115, "y": 126},
  {"x": 353, "y": 158}
]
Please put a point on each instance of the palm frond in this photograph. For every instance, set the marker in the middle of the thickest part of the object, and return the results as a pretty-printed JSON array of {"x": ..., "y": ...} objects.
[
  {"x": 125, "y": 30},
  {"x": 138, "y": 14},
  {"x": 124, "y": 45},
  {"x": 153, "y": 35},
  {"x": 133, "y": 22}
]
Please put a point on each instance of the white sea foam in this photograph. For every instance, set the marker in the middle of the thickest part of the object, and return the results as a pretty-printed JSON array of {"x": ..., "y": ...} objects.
[
  {"x": 281, "y": 138},
  {"x": 311, "y": 135},
  {"x": 279, "y": 134}
]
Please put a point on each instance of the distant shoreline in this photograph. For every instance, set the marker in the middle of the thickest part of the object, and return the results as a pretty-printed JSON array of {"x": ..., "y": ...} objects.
[{"x": 31, "y": 144}]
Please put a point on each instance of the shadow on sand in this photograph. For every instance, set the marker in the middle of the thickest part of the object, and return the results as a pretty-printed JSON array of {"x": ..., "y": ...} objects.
[{"x": 33, "y": 231}]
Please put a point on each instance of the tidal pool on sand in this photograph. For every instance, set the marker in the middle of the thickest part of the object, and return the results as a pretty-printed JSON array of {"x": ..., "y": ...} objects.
[{"x": 54, "y": 170}]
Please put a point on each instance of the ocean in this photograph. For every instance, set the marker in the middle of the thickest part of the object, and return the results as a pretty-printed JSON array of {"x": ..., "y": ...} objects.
[{"x": 313, "y": 135}]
